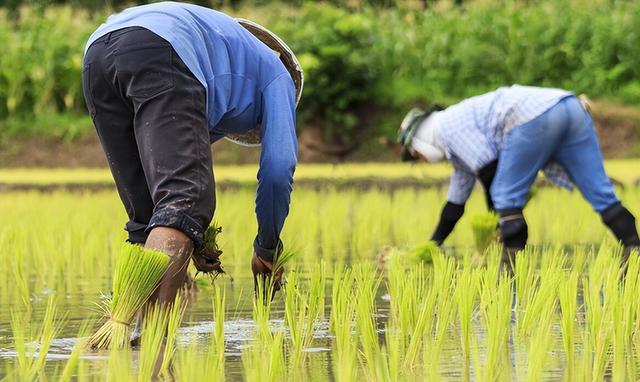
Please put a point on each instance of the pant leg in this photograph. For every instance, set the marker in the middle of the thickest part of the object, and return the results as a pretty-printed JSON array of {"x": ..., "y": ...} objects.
[
  {"x": 579, "y": 153},
  {"x": 525, "y": 151},
  {"x": 113, "y": 116},
  {"x": 171, "y": 132}
]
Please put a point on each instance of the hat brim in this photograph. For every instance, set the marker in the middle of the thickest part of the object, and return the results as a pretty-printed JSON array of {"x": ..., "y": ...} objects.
[
  {"x": 275, "y": 43},
  {"x": 252, "y": 138}
]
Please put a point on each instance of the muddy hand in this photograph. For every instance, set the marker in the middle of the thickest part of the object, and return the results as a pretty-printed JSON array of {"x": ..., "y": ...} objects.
[
  {"x": 207, "y": 260},
  {"x": 263, "y": 273}
]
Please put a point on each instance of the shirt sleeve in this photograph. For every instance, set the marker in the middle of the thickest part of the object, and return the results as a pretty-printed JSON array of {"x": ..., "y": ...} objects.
[
  {"x": 278, "y": 160},
  {"x": 460, "y": 186}
]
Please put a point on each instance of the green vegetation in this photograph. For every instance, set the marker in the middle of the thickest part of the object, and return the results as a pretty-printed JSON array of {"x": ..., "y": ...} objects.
[
  {"x": 138, "y": 271},
  {"x": 361, "y": 61},
  {"x": 401, "y": 322}
]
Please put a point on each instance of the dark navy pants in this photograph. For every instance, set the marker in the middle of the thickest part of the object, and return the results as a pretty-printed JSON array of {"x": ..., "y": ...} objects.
[{"x": 150, "y": 115}]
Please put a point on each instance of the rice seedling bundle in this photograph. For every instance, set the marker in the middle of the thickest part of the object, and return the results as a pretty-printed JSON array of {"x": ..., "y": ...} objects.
[
  {"x": 485, "y": 230},
  {"x": 138, "y": 271}
]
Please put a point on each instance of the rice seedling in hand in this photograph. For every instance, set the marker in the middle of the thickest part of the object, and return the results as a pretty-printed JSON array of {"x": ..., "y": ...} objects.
[
  {"x": 138, "y": 271},
  {"x": 485, "y": 230},
  {"x": 424, "y": 253},
  {"x": 267, "y": 284},
  {"x": 206, "y": 259}
]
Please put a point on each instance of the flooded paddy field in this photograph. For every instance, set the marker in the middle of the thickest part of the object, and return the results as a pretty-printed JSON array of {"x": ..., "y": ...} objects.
[{"x": 357, "y": 305}]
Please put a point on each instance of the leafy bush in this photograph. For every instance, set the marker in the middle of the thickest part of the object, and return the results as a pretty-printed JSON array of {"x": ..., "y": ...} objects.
[
  {"x": 334, "y": 49},
  {"x": 363, "y": 58}
]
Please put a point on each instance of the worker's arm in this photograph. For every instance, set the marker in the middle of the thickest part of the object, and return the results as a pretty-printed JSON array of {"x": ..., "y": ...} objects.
[
  {"x": 460, "y": 188},
  {"x": 486, "y": 175},
  {"x": 278, "y": 160}
]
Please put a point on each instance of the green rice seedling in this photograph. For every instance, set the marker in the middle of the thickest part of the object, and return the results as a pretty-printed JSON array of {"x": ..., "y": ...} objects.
[
  {"x": 623, "y": 297},
  {"x": 32, "y": 347},
  {"x": 192, "y": 364},
  {"x": 335, "y": 224},
  {"x": 264, "y": 359},
  {"x": 302, "y": 309},
  {"x": 157, "y": 344},
  {"x": 444, "y": 269},
  {"x": 295, "y": 317},
  {"x": 72, "y": 367},
  {"x": 407, "y": 288},
  {"x": 527, "y": 278},
  {"x": 538, "y": 301},
  {"x": 20, "y": 283},
  {"x": 485, "y": 230},
  {"x": 422, "y": 329},
  {"x": 216, "y": 350},
  {"x": 568, "y": 299},
  {"x": 138, "y": 271},
  {"x": 599, "y": 329},
  {"x": 371, "y": 226},
  {"x": 424, "y": 253},
  {"x": 465, "y": 295},
  {"x": 495, "y": 307},
  {"x": 540, "y": 342},
  {"x": 372, "y": 358},
  {"x": 174, "y": 318},
  {"x": 119, "y": 365},
  {"x": 341, "y": 323},
  {"x": 393, "y": 350}
]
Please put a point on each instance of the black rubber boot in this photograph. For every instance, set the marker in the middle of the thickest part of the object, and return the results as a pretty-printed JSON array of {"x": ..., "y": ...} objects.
[
  {"x": 623, "y": 225},
  {"x": 513, "y": 233}
]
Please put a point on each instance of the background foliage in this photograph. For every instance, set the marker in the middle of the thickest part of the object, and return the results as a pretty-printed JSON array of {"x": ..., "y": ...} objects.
[{"x": 381, "y": 55}]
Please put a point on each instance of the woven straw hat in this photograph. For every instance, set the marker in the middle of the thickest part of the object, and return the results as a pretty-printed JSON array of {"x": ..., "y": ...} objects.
[{"x": 291, "y": 63}]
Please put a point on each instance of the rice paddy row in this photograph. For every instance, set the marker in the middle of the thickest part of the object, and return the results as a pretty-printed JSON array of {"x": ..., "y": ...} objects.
[
  {"x": 357, "y": 304},
  {"x": 623, "y": 170}
]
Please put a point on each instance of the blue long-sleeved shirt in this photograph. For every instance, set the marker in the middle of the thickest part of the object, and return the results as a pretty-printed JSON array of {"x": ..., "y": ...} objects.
[{"x": 246, "y": 85}]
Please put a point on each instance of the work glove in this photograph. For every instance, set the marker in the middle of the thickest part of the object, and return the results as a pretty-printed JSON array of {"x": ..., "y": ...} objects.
[{"x": 450, "y": 215}]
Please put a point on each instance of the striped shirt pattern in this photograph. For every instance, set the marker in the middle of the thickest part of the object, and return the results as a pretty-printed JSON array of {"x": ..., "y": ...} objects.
[{"x": 473, "y": 132}]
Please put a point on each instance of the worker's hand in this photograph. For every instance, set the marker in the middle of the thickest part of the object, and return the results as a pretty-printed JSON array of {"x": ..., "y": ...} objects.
[
  {"x": 263, "y": 272},
  {"x": 436, "y": 242},
  {"x": 207, "y": 260}
]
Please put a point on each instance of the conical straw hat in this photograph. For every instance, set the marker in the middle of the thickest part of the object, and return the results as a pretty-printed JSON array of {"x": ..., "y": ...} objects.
[{"x": 291, "y": 63}]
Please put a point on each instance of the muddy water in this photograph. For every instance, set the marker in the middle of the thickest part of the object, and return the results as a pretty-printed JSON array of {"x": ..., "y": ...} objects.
[{"x": 239, "y": 329}]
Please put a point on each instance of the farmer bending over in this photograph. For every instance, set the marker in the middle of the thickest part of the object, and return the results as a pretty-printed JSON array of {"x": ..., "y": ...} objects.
[
  {"x": 503, "y": 138},
  {"x": 164, "y": 81}
]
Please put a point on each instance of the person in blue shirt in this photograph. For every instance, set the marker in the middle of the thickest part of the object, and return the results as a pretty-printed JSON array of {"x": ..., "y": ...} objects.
[
  {"x": 164, "y": 81},
  {"x": 504, "y": 138}
]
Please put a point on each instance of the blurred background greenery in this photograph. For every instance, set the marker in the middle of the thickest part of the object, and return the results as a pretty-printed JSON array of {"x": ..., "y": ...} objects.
[{"x": 365, "y": 62}]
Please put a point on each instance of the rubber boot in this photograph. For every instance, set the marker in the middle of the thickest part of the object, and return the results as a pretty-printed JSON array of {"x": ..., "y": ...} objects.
[
  {"x": 623, "y": 225},
  {"x": 177, "y": 246},
  {"x": 513, "y": 234}
]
